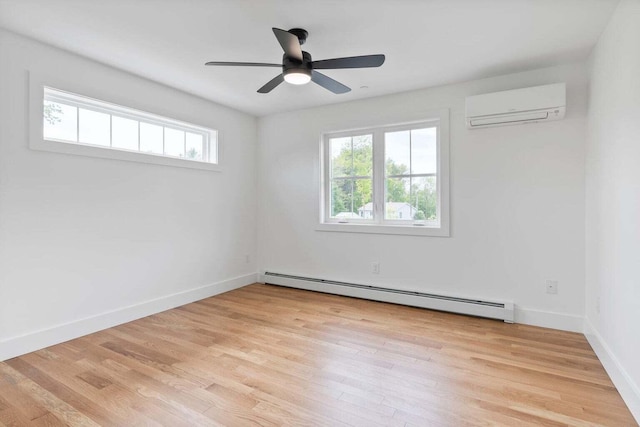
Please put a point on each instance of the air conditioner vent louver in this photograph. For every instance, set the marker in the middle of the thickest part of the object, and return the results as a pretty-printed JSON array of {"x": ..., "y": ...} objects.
[{"x": 528, "y": 105}]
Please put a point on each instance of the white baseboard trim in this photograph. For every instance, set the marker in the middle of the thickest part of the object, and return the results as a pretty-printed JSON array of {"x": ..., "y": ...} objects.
[
  {"x": 549, "y": 319},
  {"x": 16, "y": 346},
  {"x": 628, "y": 389}
]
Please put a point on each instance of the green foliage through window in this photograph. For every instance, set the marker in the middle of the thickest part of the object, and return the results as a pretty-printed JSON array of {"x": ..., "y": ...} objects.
[
  {"x": 352, "y": 173},
  {"x": 407, "y": 196},
  {"x": 52, "y": 113}
]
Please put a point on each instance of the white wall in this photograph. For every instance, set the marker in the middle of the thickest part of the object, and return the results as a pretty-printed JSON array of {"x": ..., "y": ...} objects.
[
  {"x": 613, "y": 202},
  {"x": 83, "y": 236},
  {"x": 517, "y": 202}
]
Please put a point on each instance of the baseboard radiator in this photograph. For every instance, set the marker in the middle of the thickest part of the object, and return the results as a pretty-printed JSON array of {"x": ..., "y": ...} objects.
[{"x": 490, "y": 309}]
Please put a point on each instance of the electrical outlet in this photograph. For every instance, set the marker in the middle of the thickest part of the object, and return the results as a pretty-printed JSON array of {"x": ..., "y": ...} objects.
[
  {"x": 375, "y": 267},
  {"x": 247, "y": 258},
  {"x": 552, "y": 286}
]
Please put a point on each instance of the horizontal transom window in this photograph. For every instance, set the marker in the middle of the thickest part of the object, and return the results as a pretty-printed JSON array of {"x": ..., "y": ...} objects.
[{"x": 81, "y": 120}]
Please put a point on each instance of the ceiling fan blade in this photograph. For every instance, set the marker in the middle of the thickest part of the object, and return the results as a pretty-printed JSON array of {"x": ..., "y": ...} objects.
[
  {"x": 365, "y": 61},
  {"x": 272, "y": 84},
  {"x": 289, "y": 42},
  {"x": 243, "y": 64},
  {"x": 328, "y": 83}
]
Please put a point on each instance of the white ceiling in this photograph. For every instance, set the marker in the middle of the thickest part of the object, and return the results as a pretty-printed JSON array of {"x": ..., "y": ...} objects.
[{"x": 427, "y": 42}]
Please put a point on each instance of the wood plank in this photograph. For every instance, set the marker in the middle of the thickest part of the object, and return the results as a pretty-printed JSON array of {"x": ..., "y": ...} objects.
[{"x": 270, "y": 356}]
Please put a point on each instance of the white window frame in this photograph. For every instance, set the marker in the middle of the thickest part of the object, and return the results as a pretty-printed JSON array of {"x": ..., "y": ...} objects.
[
  {"x": 380, "y": 225},
  {"x": 327, "y": 173},
  {"x": 37, "y": 141}
]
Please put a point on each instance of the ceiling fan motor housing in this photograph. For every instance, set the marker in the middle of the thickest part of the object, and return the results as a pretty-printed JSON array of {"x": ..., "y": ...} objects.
[
  {"x": 300, "y": 33},
  {"x": 292, "y": 65}
]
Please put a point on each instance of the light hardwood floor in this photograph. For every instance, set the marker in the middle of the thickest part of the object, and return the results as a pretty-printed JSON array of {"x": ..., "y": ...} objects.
[{"x": 266, "y": 355}]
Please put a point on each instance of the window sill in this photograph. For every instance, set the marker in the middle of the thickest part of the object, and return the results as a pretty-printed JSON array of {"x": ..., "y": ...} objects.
[
  {"x": 402, "y": 230},
  {"x": 111, "y": 153}
]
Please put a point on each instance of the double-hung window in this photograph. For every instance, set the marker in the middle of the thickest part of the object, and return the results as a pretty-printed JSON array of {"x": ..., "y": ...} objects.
[
  {"x": 351, "y": 177},
  {"x": 391, "y": 179}
]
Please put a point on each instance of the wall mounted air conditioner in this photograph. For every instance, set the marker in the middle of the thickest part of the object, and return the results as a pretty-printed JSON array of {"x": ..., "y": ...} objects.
[{"x": 510, "y": 107}]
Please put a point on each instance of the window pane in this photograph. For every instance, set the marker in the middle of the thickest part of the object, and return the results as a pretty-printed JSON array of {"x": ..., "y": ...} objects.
[
  {"x": 95, "y": 128},
  {"x": 151, "y": 138},
  {"x": 341, "y": 157},
  {"x": 342, "y": 198},
  {"x": 363, "y": 155},
  {"x": 423, "y": 151},
  {"x": 351, "y": 156},
  {"x": 424, "y": 196},
  {"x": 362, "y": 198},
  {"x": 173, "y": 142},
  {"x": 60, "y": 121},
  {"x": 352, "y": 198},
  {"x": 397, "y": 148},
  {"x": 194, "y": 146},
  {"x": 398, "y": 199},
  {"x": 125, "y": 133}
]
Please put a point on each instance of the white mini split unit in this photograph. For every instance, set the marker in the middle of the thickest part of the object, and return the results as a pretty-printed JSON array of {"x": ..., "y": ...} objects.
[{"x": 511, "y": 107}]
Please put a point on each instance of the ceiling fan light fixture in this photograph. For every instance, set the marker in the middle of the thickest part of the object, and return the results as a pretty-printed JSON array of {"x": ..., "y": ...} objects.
[
  {"x": 297, "y": 77},
  {"x": 298, "y": 68}
]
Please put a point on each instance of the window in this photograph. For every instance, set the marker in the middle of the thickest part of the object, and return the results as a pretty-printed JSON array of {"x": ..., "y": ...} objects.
[
  {"x": 387, "y": 180},
  {"x": 73, "y": 119},
  {"x": 351, "y": 176},
  {"x": 411, "y": 176}
]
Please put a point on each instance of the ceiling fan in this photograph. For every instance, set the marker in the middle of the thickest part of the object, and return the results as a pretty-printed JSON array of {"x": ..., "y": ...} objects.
[{"x": 299, "y": 69}]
